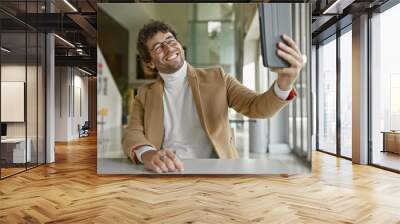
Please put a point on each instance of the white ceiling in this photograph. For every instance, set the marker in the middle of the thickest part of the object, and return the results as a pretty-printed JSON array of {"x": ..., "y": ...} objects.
[{"x": 132, "y": 16}]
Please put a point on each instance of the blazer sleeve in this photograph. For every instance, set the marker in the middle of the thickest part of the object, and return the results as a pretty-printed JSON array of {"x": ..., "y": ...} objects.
[
  {"x": 134, "y": 135},
  {"x": 251, "y": 103}
]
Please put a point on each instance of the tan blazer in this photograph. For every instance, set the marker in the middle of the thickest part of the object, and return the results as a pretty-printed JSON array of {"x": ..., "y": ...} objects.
[{"x": 213, "y": 92}]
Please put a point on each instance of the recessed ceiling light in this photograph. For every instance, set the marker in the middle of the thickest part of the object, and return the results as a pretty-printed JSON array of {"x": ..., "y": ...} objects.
[
  {"x": 84, "y": 71},
  {"x": 65, "y": 41},
  {"x": 5, "y": 50},
  {"x": 70, "y": 5},
  {"x": 337, "y": 7}
]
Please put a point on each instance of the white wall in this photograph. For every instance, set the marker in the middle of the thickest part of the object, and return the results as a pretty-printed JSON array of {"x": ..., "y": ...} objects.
[
  {"x": 15, "y": 73},
  {"x": 61, "y": 103},
  {"x": 11, "y": 73},
  {"x": 80, "y": 83},
  {"x": 32, "y": 105},
  {"x": 67, "y": 114}
]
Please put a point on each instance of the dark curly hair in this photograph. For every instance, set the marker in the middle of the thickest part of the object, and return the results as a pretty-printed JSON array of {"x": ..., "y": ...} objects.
[{"x": 147, "y": 32}]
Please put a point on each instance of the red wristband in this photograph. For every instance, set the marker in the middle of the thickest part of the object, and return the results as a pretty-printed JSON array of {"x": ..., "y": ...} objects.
[{"x": 292, "y": 94}]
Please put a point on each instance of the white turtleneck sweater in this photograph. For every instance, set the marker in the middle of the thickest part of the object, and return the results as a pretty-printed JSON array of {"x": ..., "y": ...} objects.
[{"x": 183, "y": 132}]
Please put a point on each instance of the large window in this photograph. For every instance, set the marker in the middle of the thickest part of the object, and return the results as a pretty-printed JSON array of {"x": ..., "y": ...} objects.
[
  {"x": 327, "y": 96},
  {"x": 335, "y": 137},
  {"x": 346, "y": 94},
  {"x": 385, "y": 89},
  {"x": 211, "y": 36}
]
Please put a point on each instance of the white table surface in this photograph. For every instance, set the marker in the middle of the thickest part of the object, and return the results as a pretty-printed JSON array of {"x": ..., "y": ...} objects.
[{"x": 206, "y": 167}]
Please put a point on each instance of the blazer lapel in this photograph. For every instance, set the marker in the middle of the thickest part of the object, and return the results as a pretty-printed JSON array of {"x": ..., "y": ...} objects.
[
  {"x": 194, "y": 84},
  {"x": 156, "y": 120}
]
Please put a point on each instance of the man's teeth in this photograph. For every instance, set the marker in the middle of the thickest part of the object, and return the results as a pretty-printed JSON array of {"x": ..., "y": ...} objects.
[{"x": 172, "y": 57}]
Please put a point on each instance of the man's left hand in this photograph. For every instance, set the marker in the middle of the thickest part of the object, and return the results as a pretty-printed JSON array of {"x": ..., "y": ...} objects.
[{"x": 289, "y": 52}]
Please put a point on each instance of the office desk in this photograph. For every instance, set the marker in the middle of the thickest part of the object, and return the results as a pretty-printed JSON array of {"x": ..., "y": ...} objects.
[
  {"x": 391, "y": 141},
  {"x": 205, "y": 167},
  {"x": 13, "y": 150}
]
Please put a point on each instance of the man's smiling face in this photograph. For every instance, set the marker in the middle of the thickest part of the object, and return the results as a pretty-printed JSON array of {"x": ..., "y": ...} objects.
[{"x": 167, "y": 54}]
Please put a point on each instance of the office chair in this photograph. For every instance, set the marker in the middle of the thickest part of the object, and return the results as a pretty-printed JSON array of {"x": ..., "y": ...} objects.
[{"x": 84, "y": 130}]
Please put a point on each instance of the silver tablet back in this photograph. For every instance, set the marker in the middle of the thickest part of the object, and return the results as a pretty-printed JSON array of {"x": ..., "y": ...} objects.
[{"x": 275, "y": 20}]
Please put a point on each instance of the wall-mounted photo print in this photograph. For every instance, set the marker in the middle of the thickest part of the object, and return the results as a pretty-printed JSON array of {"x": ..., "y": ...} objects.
[{"x": 204, "y": 88}]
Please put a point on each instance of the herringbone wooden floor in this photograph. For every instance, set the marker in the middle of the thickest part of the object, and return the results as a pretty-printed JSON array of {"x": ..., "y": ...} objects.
[{"x": 70, "y": 191}]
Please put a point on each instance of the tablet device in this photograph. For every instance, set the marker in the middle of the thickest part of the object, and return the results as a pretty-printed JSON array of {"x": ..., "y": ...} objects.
[{"x": 275, "y": 20}]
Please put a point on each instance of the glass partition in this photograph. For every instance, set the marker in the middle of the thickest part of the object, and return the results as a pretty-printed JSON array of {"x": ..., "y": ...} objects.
[
  {"x": 327, "y": 96},
  {"x": 31, "y": 97},
  {"x": 14, "y": 153},
  {"x": 385, "y": 89},
  {"x": 22, "y": 89}
]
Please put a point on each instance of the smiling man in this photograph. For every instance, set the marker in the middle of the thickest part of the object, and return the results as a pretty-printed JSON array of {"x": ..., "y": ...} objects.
[{"x": 184, "y": 113}]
